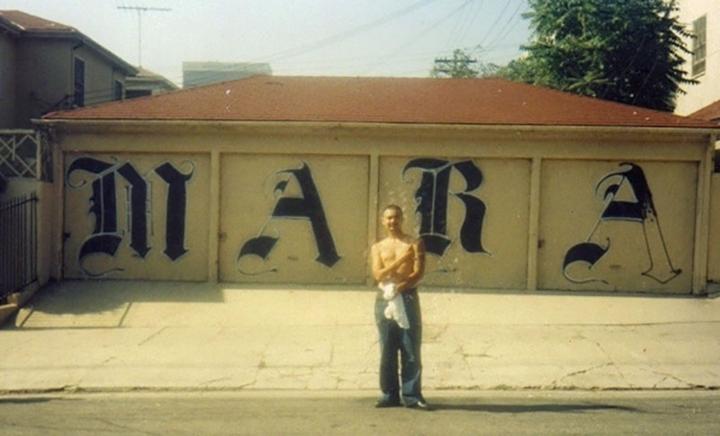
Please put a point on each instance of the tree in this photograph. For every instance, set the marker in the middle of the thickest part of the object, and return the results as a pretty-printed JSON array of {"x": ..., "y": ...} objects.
[
  {"x": 460, "y": 66},
  {"x": 628, "y": 51}
]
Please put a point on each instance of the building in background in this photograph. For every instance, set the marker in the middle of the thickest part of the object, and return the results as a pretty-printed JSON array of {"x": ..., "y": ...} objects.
[
  {"x": 48, "y": 66},
  {"x": 147, "y": 83},
  {"x": 204, "y": 73}
]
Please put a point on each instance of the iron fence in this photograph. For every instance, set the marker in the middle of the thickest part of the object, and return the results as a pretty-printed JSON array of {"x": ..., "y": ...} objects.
[{"x": 18, "y": 243}]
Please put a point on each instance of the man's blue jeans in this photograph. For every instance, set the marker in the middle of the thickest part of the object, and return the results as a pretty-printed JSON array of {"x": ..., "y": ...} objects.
[{"x": 394, "y": 340}]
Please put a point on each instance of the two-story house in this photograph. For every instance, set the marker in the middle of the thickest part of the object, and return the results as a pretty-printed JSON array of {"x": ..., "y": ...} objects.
[
  {"x": 46, "y": 66},
  {"x": 702, "y": 19}
]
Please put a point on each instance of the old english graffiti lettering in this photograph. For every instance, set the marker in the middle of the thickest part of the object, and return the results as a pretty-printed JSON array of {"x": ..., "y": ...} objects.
[
  {"x": 106, "y": 237},
  {"x": 432, "y": 204},
  {"x": 176, "y": 206},
  {"x": 640, "y": 210},
  {"x": 308, "y": 206}
]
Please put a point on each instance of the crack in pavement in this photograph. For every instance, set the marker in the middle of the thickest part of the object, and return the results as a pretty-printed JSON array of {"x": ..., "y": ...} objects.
[
  {"x": 670, "y": 376},
  {"x": 215, "y": 380},
  {"x": 29, "y": 426},
  {"x": 580, "y": 372},
  {"x": 483, "y": 354},
  {"x": 612, "y": 362},
  {"x": 124, "y": 428},
  {"x": 435, "y": 336},
  {"x": 152, "y": 335},
  {"x": 464, "y": 356}
]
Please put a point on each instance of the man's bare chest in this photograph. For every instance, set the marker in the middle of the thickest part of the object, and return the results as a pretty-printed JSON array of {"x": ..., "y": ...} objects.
[{"x": 392, "y": 250}]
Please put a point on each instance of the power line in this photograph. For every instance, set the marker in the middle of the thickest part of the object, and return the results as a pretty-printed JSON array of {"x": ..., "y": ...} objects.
[
  {"x": 495, "y": 23},
  {"x": 459, "y": 37},
  {"x": 333, "y": 39},
  {"x": 140, "y": 11},
  {"x": 413, "y": 38},
  {"x": 506, "y": 29},
  {"x": 284, "y": 55},
  {"x": 348, "y": 33}
]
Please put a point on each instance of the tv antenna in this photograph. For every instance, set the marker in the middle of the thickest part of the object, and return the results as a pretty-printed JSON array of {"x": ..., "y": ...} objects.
[{"x": 140, "y": 11}]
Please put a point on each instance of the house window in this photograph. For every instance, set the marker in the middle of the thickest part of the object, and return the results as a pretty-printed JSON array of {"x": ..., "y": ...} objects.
[
  {"x": 118, "y": 90},
  {"x": 79, "y": 90},
  {"x": 699, "y": 47}
]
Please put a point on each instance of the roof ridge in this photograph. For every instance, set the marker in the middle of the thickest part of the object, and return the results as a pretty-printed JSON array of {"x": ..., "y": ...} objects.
[{"x": 52, "y": 25}]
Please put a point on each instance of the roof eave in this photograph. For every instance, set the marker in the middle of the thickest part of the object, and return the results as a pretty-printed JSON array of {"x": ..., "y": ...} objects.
[
  {"x": 8, "y": 27},
  {"x": 140, "y": 82},
  {"x": 83, "y": 125}
]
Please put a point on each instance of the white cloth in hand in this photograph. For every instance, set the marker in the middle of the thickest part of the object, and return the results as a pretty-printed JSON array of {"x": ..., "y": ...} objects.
[{"x": 395, "y": 309}]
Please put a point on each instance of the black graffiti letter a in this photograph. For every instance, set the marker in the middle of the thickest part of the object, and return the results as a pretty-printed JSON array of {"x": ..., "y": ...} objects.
[
  {"x": 309, "y": 207},
  {"x": 640, "y": 210}
]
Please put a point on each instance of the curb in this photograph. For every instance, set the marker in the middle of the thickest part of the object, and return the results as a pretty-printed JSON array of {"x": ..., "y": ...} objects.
[{"x": 230, "y": 389}]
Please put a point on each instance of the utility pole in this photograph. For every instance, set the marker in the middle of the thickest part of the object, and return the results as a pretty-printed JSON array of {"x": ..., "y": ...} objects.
[
  {"x": 454, "y": 67},
  {"x": 141, "y": 10}
]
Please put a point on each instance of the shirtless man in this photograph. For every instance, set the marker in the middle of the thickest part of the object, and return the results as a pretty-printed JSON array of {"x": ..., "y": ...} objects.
[{"x": 400, "y": 260}]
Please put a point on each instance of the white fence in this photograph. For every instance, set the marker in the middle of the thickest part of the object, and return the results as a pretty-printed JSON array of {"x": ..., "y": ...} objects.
[{"x": 25, "y": 153}]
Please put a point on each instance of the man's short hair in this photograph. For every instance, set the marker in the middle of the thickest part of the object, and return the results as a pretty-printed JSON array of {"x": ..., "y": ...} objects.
[{"x": 395, "y": 207}]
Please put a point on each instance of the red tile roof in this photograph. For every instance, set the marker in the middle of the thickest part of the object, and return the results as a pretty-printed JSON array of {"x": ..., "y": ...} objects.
[
  {"x": 710, "y": 112},
  {"x": 380, "y": 100}
]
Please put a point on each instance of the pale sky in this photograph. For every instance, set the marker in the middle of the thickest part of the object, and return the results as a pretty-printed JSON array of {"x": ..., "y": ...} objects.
[{"x": 297, "y": 37}]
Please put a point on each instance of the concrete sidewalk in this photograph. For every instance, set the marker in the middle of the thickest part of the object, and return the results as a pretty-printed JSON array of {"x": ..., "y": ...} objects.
[{"x": 122, "y": 335}]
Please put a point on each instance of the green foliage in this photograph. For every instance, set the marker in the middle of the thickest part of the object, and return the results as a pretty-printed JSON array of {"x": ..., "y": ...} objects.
[
  {"x": 461, "y": 66},
  {"x": 628, "y": 51}
]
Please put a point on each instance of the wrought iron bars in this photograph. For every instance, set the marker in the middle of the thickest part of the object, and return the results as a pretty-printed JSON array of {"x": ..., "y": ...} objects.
[{"x": 18, "y": 243}]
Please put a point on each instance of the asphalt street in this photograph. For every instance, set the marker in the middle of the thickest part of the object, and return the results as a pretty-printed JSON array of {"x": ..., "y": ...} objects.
[{"x": 298, "y": 412}]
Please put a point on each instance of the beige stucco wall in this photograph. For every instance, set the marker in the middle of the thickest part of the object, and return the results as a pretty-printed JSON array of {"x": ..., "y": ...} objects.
[
  {"x": 249, "y": 196},
  {"x": 80, "y": 223},
  {"x": 47, "y": 205},
  {"x": 536, "y": 187},
  {"x": 7, "y": 81},
  {"x": 504, "y": 190},
  {"x": 571, "y": 209},
  {"x": 714, "y": 239}
]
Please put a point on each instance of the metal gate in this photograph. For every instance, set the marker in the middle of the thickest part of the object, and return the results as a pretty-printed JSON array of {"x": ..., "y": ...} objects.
[{"x": 18, "y": 243}]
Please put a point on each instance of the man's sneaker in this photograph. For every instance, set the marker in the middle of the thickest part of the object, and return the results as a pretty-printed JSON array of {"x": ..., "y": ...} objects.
[
  {"x": 420, "y": 405},
  {"x": 388, "y": 402}
]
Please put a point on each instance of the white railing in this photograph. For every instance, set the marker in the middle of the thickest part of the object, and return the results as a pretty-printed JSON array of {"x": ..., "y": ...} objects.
[{"x": 25, "y": 153}]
